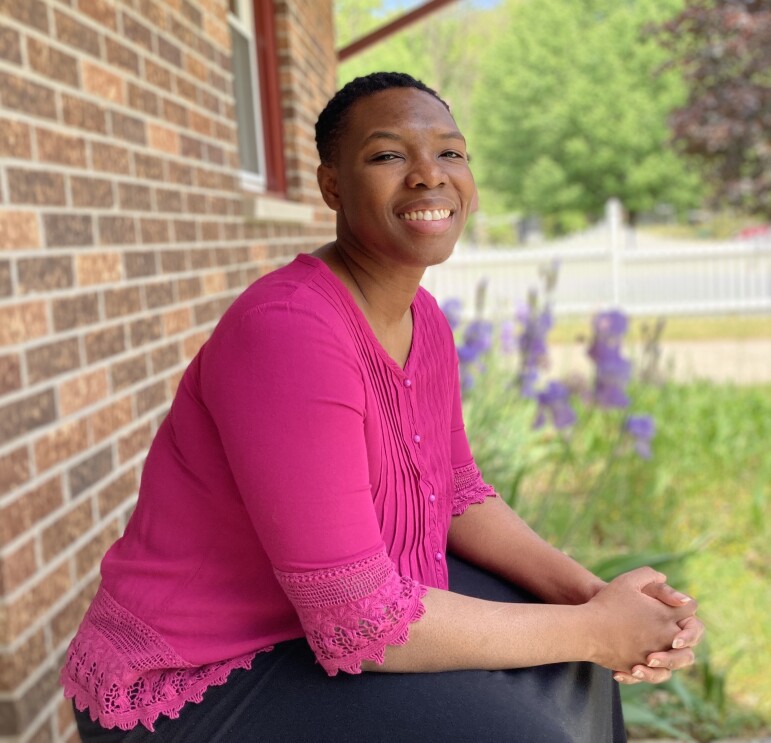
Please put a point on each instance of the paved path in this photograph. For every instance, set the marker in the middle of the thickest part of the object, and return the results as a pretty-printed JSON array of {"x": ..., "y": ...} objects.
[{"x": 739, "y": 362}]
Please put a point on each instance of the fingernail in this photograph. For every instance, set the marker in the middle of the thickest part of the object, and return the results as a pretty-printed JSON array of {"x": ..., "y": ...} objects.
[
  {"x": 682, "y": 598},
  {"x": 654, "y": 663},
  {"x": 638, "y": 674},
  {"x": 618, "y": 677},
  {"x": 678, "y": 643}
]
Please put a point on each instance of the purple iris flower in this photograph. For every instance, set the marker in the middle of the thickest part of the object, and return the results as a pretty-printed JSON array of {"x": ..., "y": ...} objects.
[
  {"x": 554, "y": 401},
  {"x": 612, "y": 370},
  {"x": 508, "y": 337},
  {"x": 642, "y": 429},
  {"x": 477, "y": 340},
  {"x": 453, "y": 311},
  {"x": 532, "y": 344}
]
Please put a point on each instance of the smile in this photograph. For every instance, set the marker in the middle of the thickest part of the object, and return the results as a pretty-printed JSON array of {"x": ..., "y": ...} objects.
[{"x": 426, "y": 216}]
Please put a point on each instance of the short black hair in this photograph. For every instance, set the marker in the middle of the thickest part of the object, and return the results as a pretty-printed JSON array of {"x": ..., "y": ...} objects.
[{"x": 332, "y": 119}]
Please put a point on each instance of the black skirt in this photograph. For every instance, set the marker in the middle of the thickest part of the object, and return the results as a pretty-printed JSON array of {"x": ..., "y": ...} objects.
[{"x": 287, "y": 697}]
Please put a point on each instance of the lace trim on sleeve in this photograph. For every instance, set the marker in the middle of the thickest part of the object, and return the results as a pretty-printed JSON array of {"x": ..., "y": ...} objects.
[
  {"x": 469, "y": 488},
  {"x": 350, "y": 613},
  {"x": 125, "y": 673}
]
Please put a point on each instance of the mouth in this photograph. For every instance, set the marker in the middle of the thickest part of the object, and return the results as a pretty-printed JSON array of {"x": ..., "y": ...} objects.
[{"x": 426, "y": 215}]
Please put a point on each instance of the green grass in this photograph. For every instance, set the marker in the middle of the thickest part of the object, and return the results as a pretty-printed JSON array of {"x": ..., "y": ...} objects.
[
  {"x": 707, "y": 328},
  {"x": 707, "y": 490}
]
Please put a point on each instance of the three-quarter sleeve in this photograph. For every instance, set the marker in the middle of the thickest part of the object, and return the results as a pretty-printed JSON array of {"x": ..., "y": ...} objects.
[
  {"x": 287, "y": 398},
  {"x": 468, "y": 485}
]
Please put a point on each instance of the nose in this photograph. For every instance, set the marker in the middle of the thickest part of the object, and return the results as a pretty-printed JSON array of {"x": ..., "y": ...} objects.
[{"x": 427, "y": 172}]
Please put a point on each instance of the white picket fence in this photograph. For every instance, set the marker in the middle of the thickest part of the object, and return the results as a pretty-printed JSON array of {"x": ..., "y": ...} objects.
[{"x": 601, "y": 269}]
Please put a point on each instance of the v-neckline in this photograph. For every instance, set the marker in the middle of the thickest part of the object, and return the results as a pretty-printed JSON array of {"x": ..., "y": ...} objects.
[{"x": 345, "y": 292}]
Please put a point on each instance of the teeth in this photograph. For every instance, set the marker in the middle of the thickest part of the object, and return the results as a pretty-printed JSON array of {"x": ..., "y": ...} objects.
[{"x": 426, "y": 216}]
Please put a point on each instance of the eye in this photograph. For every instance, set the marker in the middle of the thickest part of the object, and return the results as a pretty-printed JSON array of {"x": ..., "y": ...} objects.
[
  {"x": 384, "y": 157},
  {"x": 454, "y": 155}
]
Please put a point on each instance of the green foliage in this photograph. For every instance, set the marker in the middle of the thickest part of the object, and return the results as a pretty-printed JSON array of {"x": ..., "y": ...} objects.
[{"x": 570, "y": 109}]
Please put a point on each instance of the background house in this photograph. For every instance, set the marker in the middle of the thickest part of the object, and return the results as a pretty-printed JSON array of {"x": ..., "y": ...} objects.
[{"x": 157, "y": 157}]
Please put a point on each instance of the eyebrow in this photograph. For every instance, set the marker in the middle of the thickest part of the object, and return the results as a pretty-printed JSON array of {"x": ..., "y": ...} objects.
[{"x": 383, "y": 134}]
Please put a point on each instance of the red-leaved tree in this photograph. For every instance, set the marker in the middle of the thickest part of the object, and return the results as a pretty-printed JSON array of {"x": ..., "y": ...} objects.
[{"x": 724, "y": 50}]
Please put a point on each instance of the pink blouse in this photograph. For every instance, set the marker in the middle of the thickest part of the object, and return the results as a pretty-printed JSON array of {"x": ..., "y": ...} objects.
[{"x": 301, "y": 484}]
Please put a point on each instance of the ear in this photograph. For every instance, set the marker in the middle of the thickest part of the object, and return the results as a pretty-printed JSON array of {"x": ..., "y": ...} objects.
[{"x": 326, "y": 175}]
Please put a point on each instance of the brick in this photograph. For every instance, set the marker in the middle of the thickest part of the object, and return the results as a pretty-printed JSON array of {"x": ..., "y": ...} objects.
[
  {"x": 54, "y": 147},
  {"x": 137, "y": 32},
  {"x": 102, "y": 83},
  {"x": 124, "y": 301},
  {"x": 27, "y": 414},
  {"x": 64, "y": 442},
  {"x": 138, "y": 264},
  {"x": 157, "y": 75},
  {"x": 117, "y": 493},
  {"x": 14, "y": 471},
  {"x": 52, "y": 63},
  {"x": 99, "y": 268},
  {"x": 120, "y": 55},
  {"x": 102, "y": 344},
  {"x": 66, "y": 621},
  {"x": 200, "y": 123},
  {"x": 214, "y": 283},
  {"x": 35, "y": 187},
  {"x": 82, "y": 476},
  {"x": 127, "y": 373},
  {"x": 15, "y": 139},
  {"x": 18, "y": 230},
  {"x": 191, "y": 147},
  {"x": 188, "y": 289},
  {"x": 165, "y": 357},
  {"x": 169, "y": 51},
  {"x": 76, "y": 34},
  {"x": 10, "y": 45},
  {"x": 15, "y": 666},
  {"x": 176, "y": 321},
  {"x": 168, "y": 200},
  {"x": 143, "y": 99},
  {"x": 145, "y": 330},
  {"x": 84, "y": 114},
  {"x": 10, "y": 373},
  {"x": 184, "y": 230},
  {"x": 23, "y": 710},
  {"x": 88, "y": 558},
  {"x": 67, "y": 230},
  {"x": 31, "y": 13},
  {"x": 154, "y": 231},
  {"x": 174, "y": 113},
  {"x": 112, "y": 417},
  {"x": 31, "y": 98},
  {"x": 135, "y": 197},
  {"x": 75, "y": 312},
  {"x": 116, "y": 230},
  {"x": 66, "y": 529},
  {"x": 44, "y": 274},
  {"x": 162, "y": 138},
  {"x": 102, "y": 11},
  {"x": 110, "y": 158},
  {"x": 35, "y": 602},
  {"x": 91, "y": 192},
  {"x": 82, "y": 391},
  {"x": 172, "y": 383},
  {"x": 173, "y": 261},
  {"x": 196, "y": 203},
  {"x": 133, "y": 443},
  {"x": 17, "y": 567},
  {"x": 65, "y": 719},
  {"x": 153, "y": 12},
  {"x": 52, "y": 359},
  {"x": 148, "y": 166},
  {"x": 180, "y": 174},
  {"x": 151, "y": 397},
  {"x": 129, "y": 128},
  {"x": 192, "y": 344},
  {"x": 22, "y": 322}
]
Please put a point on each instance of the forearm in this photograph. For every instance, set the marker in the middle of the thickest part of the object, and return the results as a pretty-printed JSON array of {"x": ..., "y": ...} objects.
[
  {"x": 458, "y": 632},
  {"x": 493, "y": 537}
]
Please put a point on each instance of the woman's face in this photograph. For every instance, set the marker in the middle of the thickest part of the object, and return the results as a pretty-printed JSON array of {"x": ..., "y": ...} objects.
[{"x": 401, "y": 184}]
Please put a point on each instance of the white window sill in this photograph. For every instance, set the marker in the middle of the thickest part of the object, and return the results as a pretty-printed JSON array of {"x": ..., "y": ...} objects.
[{"x": 262, "y": 208}]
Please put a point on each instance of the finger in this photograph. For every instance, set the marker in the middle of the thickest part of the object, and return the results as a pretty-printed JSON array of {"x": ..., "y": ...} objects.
[
  {"x": 651, "y": 675},
  {"x": 641, "y": 577},
  {"x": 672, "y": 660},
  {"x": 691, "y": 632},
  {"x": 625, "y": 678},
  {"x": 666, "y": 594}
]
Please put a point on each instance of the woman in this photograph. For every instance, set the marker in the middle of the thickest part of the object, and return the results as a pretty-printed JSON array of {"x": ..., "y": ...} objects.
[{"x": 305, "y": 488}]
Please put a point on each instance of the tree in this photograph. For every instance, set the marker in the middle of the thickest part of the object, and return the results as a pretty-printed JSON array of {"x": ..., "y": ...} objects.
[
  {"x": 724, "y": 51},
  {"x": 569, "y": 112}
]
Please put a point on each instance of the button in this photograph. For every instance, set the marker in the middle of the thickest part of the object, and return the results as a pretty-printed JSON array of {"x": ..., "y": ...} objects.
[
  {"x": 408, "y": 383},
  {"x": 416, "y": 438},
  {"x": 438, "y": 556},
  {"x": 431, "y": 498}
]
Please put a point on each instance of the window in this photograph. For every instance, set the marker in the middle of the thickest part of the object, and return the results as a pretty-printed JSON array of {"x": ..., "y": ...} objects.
[{"x": 257, "y": 96}]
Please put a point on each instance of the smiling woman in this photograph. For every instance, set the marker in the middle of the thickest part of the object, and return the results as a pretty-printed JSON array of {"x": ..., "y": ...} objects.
[{"x": 310, "y": 506}]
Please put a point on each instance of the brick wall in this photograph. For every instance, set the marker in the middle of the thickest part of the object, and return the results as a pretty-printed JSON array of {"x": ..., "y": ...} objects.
[{"x": 122, "y": 242}]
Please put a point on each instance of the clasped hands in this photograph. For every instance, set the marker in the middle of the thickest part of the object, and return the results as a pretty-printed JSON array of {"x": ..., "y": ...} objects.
[{"x": 651, "y": 627}]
